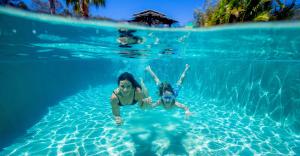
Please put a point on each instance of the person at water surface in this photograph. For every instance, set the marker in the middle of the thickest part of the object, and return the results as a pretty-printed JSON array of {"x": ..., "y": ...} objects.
[
  {"x": 167, "y": 93},
  {"x": 129, "y": 92},
  {"x": 126, "y": 38}
]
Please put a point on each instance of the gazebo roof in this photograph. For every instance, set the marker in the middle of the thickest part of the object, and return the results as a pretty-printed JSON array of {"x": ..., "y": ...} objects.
[
  {"x": 149, "y": 12},
  {"x": 151, "y": 17}
]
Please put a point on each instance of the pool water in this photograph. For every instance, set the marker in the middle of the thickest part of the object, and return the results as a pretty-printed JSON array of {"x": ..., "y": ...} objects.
[
  {"x": 57, "y": 76},
  {"x": 82, "y": 124}
]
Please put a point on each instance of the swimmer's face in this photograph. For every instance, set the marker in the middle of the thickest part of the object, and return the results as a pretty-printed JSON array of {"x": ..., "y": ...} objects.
[
  {"x": 125, "y": 87},
  {"x": 168, "y": 97}
]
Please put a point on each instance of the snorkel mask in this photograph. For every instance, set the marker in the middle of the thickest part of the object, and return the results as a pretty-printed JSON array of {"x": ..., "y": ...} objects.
[{"x": 168, "y": 98}]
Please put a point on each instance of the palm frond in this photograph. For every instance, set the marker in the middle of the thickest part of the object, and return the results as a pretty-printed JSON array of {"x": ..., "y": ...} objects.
[{"x": 264, "y": 16}]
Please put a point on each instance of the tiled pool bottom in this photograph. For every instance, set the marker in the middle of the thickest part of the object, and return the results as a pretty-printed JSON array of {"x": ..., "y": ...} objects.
[{"x": 82, "y": 125}]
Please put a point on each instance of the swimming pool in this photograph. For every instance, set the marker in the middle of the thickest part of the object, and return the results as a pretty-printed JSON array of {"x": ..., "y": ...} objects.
[{"x": 57, "y": 75}]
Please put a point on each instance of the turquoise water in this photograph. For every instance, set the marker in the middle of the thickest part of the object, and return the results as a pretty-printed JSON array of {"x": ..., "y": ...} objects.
[{"x": 56, "y": 77}]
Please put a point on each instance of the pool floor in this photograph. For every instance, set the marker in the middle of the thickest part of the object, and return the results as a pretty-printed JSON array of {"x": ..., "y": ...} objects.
[{"x": 82, "y": 125}]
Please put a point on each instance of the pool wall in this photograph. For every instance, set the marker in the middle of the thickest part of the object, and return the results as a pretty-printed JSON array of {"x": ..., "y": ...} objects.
[{"x": 29, "y": 88}]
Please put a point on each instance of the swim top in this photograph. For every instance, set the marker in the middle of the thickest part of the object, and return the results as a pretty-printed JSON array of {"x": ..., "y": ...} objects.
[{"x": 133, "y": 101}]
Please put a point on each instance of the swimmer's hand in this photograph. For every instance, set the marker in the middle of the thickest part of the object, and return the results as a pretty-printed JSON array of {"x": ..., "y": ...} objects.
[
  {"x": 147, "y": 100},
  {"x": 187, "y": 114},
  {"x": 118, "y": 120},
  {"x": 187, "y": 66},
  {"x": 148, "y": 68},
  {"x": 146, "y": 103}
]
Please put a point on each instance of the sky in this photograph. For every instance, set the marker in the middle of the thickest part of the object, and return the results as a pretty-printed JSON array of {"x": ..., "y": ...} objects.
[{"x": 179, "y": 10}]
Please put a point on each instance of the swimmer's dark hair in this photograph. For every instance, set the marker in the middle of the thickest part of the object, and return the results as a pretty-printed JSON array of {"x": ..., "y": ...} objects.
[
  {"x": 126, "y": 32},
  {"x": 130, "y": 78},
  {"x": 165, "y": 87}
]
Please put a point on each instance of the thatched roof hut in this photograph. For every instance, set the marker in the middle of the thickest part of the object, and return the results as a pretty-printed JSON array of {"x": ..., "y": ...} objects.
[{"x": 150, "y": 17}]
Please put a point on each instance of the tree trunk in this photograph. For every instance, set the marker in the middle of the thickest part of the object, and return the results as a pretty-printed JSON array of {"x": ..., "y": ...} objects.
[
  {"x": 52, "y": 6},
  {"x": 85, "y": 9}
]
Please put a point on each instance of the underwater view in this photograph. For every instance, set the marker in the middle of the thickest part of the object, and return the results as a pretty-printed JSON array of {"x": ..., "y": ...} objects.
[{"x": 57, "y": 76}]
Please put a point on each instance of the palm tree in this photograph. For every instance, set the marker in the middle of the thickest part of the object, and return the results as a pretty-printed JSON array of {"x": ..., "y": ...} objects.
[
  {"x": 82, "y": 6},
  {"x": 257, "y": 10},
  {"x": 231, "y": 11}
]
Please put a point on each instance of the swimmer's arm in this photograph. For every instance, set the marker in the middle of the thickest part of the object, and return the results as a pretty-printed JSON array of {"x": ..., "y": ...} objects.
[
  {"x": 153, "y": 75},
  {"x": 182, "y": 106},
  {"x": 157, "y": 103},
  {"x": 179, "y": 82},
  {"x": 144, "y": 89},
  {"x": 143, "y": 100},
  {"x": 115, "y": 109}
]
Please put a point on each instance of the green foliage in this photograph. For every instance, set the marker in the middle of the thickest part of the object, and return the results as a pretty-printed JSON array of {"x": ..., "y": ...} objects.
[
  {"x": 264, "y": 16},
  {"x": 232, "y": 11}
]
